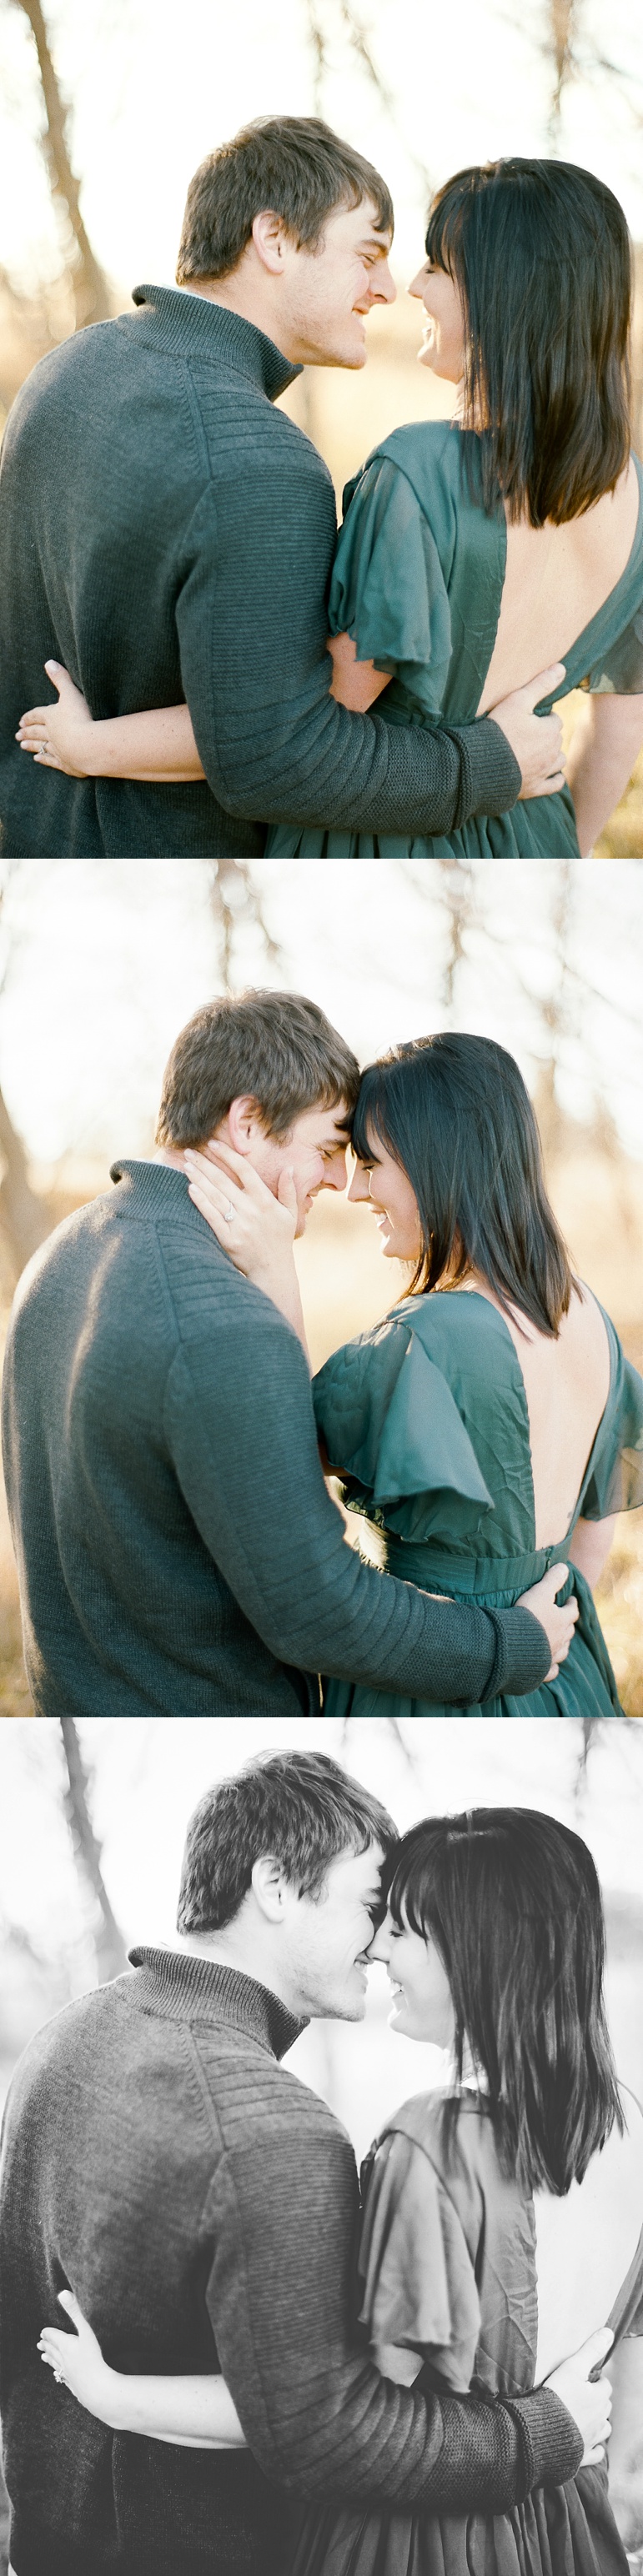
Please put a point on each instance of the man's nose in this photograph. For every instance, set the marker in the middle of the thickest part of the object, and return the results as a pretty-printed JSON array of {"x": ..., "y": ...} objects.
[{"x": 382, "y": 289}]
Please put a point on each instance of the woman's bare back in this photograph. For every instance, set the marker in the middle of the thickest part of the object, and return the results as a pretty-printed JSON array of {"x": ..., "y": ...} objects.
[
  {"x": 566, "y": 1385},
  {"x": 556, "y": 579},
  {"x": 586, "y": 2242}
]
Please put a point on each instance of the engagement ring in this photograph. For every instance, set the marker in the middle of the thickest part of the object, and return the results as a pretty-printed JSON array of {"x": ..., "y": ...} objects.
[{"x": 228, "y": 1216}]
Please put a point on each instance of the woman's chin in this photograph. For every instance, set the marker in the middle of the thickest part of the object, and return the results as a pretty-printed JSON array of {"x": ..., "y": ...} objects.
[{"x": 400, "y": 2019}]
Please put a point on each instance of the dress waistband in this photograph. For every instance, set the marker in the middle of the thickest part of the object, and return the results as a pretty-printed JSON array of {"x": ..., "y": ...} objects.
[{"x": 494, "y": 1581}]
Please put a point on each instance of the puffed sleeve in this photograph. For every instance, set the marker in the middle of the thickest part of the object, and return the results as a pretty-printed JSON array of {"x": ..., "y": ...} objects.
[
  {"x": 615, "y": 1473},
  {"x": 419, "y": 2296},
  {"x": 388, "y": 587},
  {"x": 392, "y": 1429},
  {"x": 619, "y": 671}
]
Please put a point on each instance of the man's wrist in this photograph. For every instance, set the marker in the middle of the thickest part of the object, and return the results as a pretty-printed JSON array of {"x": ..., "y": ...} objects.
[
  {"x": 551, "y": 2442},
  {"x": 523, "y": 1653}
]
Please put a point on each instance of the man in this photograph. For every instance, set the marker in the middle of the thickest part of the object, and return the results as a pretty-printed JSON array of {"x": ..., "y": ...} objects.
[
  {"x": 202, "y": 2206},
  {"x": 167, "y": 535},
  {"x": 177, "y": 1548}
]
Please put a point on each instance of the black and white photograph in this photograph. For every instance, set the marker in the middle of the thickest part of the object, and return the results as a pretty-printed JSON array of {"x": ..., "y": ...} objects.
[{"x": 241, "y": 1963}]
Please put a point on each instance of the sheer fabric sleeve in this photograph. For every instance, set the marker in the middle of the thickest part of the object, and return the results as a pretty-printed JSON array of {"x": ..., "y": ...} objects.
[
  {"x": 615, "y": 1473},
  {"x": 618, "y": 672},
  {"x": 388, "y": 586},
  {"x": 392, "y": 1428},
  {"x": 419, "y": 2296}
]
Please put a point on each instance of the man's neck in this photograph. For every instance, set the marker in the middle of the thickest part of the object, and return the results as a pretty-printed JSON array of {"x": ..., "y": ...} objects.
[
  {"x": 245, "y": 1959},
  {"x": 171, "y": 1154},
  {"x": 248, "y": 300}
]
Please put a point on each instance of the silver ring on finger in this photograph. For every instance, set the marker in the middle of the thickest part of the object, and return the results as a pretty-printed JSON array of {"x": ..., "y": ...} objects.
[{"x": 228, "y": 1216}]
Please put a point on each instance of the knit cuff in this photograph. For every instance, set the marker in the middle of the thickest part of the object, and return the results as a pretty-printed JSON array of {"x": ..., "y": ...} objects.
[
  {"x": 551, "y": 2443},
  {"x": 490, "y": 779},
  {"x": 523, "y": 1652}
]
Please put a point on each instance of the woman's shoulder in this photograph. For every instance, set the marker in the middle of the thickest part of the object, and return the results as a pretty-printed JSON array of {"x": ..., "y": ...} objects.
[{"x": 429, "y": 453}]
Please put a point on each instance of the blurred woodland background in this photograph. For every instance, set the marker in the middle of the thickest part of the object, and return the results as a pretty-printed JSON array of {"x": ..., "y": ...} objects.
[
  {"x": 106, "y": 107},
  {"x": 97, "y": 1813},
  {"x": 100, "y": 968}
]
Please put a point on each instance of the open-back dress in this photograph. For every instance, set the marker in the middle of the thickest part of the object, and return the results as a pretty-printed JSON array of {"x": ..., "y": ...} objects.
[
  {"x": 426, "y": 1424},
  {"x": 448, "y": 2268},
  {"x": 417, "y": 581}
]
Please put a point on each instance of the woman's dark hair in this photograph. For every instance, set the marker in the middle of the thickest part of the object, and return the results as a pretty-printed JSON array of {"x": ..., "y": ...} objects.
[
  {"x": 512, "y": 1901},
  {"x": 302, "y": 1808},
  {"x": 296, "y": 166},
  {"x": 454, "y": 1111},
  {"x": 541, "y": 256}
]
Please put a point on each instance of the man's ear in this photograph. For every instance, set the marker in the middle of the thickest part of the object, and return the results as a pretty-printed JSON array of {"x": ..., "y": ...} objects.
[
  {"x": 269, "y": 1887},
  {"x": 271, "y": 241},
  {"x": 244, "y": 1117}
]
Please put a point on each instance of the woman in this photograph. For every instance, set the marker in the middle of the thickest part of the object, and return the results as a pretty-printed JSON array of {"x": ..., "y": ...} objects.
[
  {"x": 503, "y": 2217},
  {"x": 489, "y": 1426},
  {"x": 477, "y": 553}
]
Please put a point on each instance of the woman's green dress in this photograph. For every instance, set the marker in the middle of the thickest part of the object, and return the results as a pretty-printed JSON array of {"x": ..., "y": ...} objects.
[
  {"x": 426, "y": 1424},
  {"x": 417, "y": 581},
  {"x": 448, "y": 2270}
]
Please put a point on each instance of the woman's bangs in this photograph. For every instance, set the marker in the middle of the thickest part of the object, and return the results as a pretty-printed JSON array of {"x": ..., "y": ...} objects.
[{"x": 368, "y": 1112}]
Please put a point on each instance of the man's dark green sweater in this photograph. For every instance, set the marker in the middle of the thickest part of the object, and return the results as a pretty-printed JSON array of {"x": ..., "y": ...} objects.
[
  {"x": 178, "y": 1551},
  {"x": 203, "y": 2208},
  {"x": 167, "y": 534}
]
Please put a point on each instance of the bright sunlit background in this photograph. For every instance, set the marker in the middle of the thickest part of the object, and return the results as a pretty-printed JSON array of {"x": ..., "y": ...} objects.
[{"x": 153, "y": 89}]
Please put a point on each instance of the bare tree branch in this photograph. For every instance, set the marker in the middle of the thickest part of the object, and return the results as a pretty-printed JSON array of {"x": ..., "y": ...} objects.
[
  {"x": 111, "y": 1954},
  {"x": 92, "y": 301},
  {"x": 235, "y": 895}
]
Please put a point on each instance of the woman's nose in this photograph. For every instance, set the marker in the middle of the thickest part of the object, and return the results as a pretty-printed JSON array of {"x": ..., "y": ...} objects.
[
  {"x": 359, "y": 1188},
  {"x": 380, "y": 1946}
]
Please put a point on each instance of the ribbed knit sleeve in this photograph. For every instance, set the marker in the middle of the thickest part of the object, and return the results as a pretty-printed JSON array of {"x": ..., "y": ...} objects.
[
  {"x": 318, "y": 2416},
  {"x": 252, "y": 622},
  {"x": 239, "y": 1423}
]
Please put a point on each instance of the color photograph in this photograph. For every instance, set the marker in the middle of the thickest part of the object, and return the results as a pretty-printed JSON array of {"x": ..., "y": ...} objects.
[
  {"x": 467, "y": 1303},
  {"x": 321, "y": 516}
]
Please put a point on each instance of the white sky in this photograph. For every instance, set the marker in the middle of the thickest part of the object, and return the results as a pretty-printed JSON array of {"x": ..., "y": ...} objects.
[
  {"x": 155, "y": 87},
  {"x": 148, "y": 1775},
  {"x": 105, "y": 961}
]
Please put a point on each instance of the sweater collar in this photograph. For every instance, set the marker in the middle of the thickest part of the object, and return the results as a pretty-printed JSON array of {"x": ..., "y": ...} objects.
[
  {"x": 149, "y": 1185},
  {"x": 190, "y": 326},
  {"x": 183, "y": 1988}
]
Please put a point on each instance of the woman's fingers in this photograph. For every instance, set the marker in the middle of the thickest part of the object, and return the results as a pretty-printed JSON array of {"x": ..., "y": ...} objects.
[{"x": 66, "y": 2300}]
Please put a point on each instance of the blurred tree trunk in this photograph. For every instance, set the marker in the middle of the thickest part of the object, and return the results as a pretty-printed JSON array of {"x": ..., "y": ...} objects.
[
  {"x": 111, "y": 1954},
  {"x": 24, "y": 1219},
  {"x": 90, "y": 289},
  {"x": 235, "y": 899},
  {"x": 562, "y": 16}
]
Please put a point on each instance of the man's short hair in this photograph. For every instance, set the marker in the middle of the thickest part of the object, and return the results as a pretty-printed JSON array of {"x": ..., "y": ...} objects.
[
  {"x": 293, "y": 165},
  {"x": 302, "y": 1809},
  {"x": 277, "y": 1049}
]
